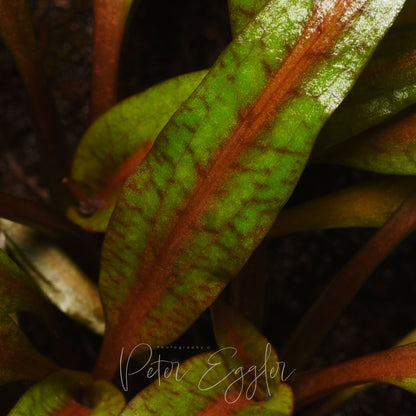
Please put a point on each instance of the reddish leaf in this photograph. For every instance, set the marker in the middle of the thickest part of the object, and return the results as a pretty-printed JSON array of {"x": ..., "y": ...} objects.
[{"x": 396, "y": 366}]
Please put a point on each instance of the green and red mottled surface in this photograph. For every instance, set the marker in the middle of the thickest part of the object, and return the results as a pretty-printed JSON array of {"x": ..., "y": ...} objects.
[{"x": 219, "y": 172}]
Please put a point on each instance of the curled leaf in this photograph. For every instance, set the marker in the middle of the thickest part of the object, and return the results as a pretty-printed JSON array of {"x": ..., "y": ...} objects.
[
  {"x": 59, "y": 278},
  {"x": 366, "y": 205},
  {"x": 204, "y": 197},
  {"x": 202, "y": 386},
  {"x": 70, "y": 393},
  {"x": 114, "y": 145}
]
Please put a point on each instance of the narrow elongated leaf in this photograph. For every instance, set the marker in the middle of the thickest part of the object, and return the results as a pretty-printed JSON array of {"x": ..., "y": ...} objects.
[
  {"x": 59, "y": 278},
  {"x": 245, "y": 347},
  {"x": 326, "y": 310},
  {"x": 17, "y": 32},
  {"x": 386, "y": 87},
  {"x": 114, "y": 145},
  {"x": 338, "y": 399},
  {"x": 206, "y": 194},
  {"x": 203, "y": 386},
  {"x": 395, "y": 366},
  {"x": 110, "y": 17},
  {"x": 367, "y": 205},
  {"x": 18, "y": 293},
  {"x": 19, "y": 360},
  {"x": 70, "y": 393},
  {"x": 388, "y": 148}
]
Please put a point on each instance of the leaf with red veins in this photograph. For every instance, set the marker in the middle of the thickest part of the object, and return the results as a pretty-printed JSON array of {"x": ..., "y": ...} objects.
[{"x": 206, "y": 194}]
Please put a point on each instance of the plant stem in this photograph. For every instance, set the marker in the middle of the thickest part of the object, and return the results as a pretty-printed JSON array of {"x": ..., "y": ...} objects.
[{"x": 322, "y": 316}]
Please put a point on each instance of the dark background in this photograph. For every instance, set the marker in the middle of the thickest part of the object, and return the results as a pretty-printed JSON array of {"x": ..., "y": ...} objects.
[{"x": 165, "y": 39}]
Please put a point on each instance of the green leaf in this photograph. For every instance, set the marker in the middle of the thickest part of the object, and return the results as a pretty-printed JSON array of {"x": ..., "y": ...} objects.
[
  {"x": 388, "y": 148},
  {"x": 112, "y": 147},
  {"x": 206, "y": 194},
  {"x": 19, "y": 360},
  {"x": 18, "y": 292},
  {"x": 203, "y": 386},
  {"x": 395, "y": 366},
  {"x": 244, "y": 347},
  {"x": 242, "y": 11},
  {"x": 366, "y": 205},
  {"x": 129, "y": 129},
  {"x": 386, "y": 87},
  {"x": 58, "y": 277},
  {"x": 70, "y": 393}
]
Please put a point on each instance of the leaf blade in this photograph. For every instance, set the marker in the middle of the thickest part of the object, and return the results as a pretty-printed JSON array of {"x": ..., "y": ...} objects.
[
  {"x": 389, "y": 148},
  {"x": 248, "y": 348},
  {"x": 386, "y": 87},
  {"x": 56, "y": 275},
  {"x": 56, "y": 396},
  {"x": 396, "y": 366},
  {"x": 112, "y": 147},
  {"x": 203, "y": 387},
  {"x": 365, "y": 205},
  {"x": 207, "y": 194}
]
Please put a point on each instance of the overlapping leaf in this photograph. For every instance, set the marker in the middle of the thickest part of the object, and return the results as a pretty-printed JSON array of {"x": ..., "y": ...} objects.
[
  {"x": 244, "y": 347},
  {"x": 386, "y": 87},
  {"x": 18, "y": 293},
  {"x": 203, "y": 386},
  {"x": 70, "y": 393},
  {"x": 388, "y": 148},
  {"x": 206, "y": 194},
  {"x": 365, "y": 205},
  {"x": 59, "y": 278},
  {"x": 117, "y": 142}
]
